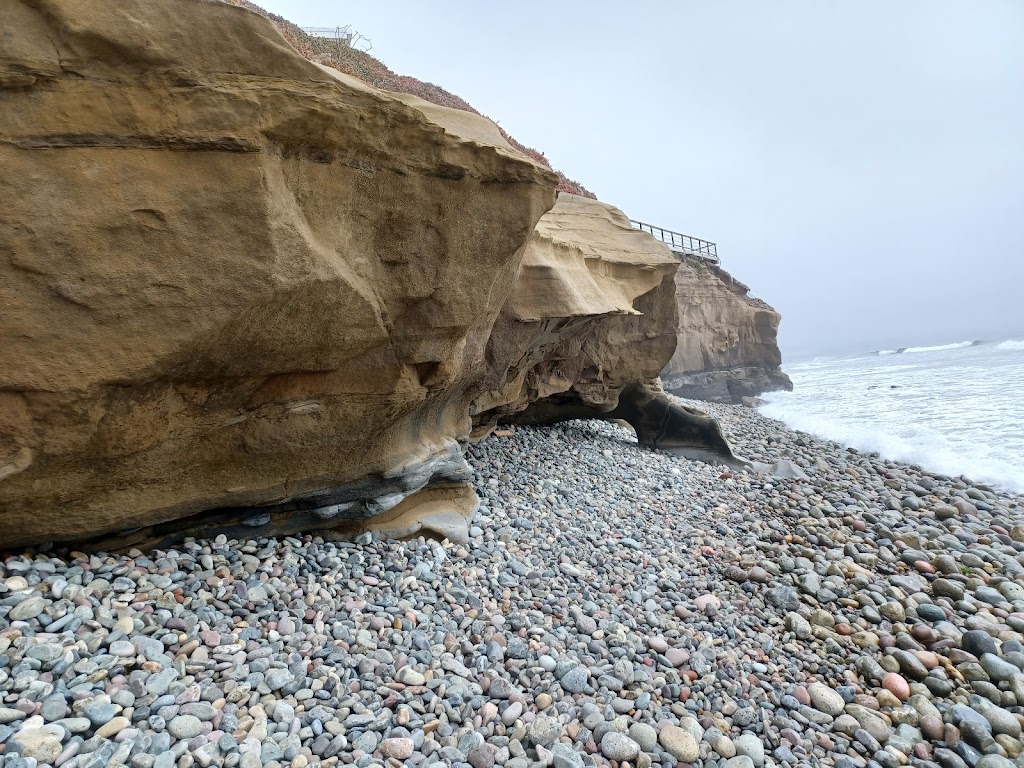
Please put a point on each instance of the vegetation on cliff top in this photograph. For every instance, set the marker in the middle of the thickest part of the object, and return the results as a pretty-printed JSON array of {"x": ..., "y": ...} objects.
[{"x": 352, "y": 61}]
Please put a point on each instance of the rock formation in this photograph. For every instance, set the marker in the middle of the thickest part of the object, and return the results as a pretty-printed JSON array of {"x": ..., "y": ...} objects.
[
  {"x": 243, "y": 292},
  {"x": 590, "y": 323},
  {"x": 231, "y": 278},
  {"x": 727, "y": 348},
  {"x": 339, "y": 55}
]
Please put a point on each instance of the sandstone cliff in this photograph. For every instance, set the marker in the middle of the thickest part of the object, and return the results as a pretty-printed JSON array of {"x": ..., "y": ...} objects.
[
  {"x": 590, "y": 323},
  {"x": 360, "y": 64},
  {"x": 591, "y": 310},
  {"x": 727, "y": 347},
  {"x": 229, "y": 276},
  {"x": 243, "y": 292}
]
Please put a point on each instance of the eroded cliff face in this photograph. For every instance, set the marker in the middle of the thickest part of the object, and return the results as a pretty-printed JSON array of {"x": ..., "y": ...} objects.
[
  {"x": 244, "y": 293},
  {"x": 231, "y": 278},
  {"x": 727, "y": 348},
  {"x": 589, "y": 325}
]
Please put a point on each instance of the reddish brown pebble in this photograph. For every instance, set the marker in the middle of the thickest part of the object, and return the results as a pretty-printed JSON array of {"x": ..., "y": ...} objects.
[
  {"x": 923, "y": 632},
  {"x": 896, "y": 685},
  {"x": 931, "y": 727},
  {"x": 929, "y": 659},
  {"x": 869, "y": 702},
  {"x": 791, "y": 736}
]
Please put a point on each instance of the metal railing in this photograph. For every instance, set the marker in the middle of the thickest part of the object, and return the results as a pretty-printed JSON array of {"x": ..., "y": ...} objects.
[
  {"x": 334, "y": 33},
  {"x": 680, "y": 243},
  {"x": 345, "y": 35}
]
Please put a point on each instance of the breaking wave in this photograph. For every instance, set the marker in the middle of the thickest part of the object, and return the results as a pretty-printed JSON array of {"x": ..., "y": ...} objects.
[
  {"x": 925, "y": 447},
  {"x": 954, "y": 412},
  {"x": 936, "y": 348}
]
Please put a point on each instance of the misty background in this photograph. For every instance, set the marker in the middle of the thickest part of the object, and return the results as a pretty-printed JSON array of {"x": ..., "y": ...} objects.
[{"x": 861, "y": 166}]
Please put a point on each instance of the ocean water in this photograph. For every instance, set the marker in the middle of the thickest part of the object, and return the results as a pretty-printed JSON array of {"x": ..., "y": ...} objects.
[{"x": 955, "y": 409}]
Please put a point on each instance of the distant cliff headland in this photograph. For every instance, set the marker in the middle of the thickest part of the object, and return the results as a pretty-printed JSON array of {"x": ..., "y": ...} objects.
[{"x": 728, "y": 350}]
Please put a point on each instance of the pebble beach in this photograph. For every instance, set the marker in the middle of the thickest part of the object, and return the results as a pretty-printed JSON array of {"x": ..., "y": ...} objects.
[{"x": 613, "y": 606}]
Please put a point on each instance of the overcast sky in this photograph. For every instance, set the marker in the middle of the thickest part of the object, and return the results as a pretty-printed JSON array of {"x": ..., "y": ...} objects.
[{"x": 860, "y": 164}]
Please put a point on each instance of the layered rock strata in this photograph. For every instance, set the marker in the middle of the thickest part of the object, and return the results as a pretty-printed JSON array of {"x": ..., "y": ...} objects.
[
  {"x": 231, "y": 277},
  {"x": 727, "y": 348},
  {"x": 242, "y": 292}
]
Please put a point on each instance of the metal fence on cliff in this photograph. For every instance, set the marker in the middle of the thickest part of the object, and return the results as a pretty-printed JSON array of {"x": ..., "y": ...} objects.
[
  {"x": 344, "y": 35},
  {"x": 680, "y": 243}
]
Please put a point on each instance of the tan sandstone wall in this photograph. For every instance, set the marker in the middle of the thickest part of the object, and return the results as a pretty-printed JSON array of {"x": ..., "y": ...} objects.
[
  {"x": 727, "y": 347},
  {"x": 589, "y": 325},
  {"x": 591, "y": 311},
  {"x": 229, "y": 277},
  {"x": 244, "y": 293}
]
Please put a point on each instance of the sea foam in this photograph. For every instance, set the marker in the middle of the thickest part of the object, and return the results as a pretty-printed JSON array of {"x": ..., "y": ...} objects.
[
  {"x": 936, "y": 348},
  {"x": 954, "y": 412}
]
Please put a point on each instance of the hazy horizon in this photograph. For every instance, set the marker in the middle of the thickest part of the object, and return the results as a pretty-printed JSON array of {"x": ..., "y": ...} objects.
[
  {"x": 860, "y": 167},
  {"x": 884, "y": 350}
]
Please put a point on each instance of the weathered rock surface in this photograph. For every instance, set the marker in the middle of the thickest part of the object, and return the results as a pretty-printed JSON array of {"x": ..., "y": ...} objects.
[
  {"x": 728, "y": 345},
  {"x": 590, "y": 323},
  {"x": 230, "y": 277},
  {"x": 245, "y": 293}
]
